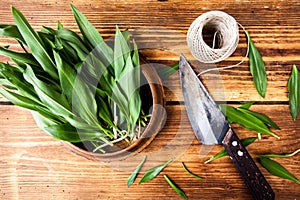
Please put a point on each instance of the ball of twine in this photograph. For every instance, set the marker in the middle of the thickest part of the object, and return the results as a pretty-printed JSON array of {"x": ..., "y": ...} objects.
[{"x": 226, "y": 31}]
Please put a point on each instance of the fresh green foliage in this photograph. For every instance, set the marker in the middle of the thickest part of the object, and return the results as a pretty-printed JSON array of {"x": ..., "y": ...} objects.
[
  {"x": 134, "y": 174},
  {"x": 165, "y": 72},
  {"x": 11, "y": 31},
  {"x": 190, "y": 173},
  {"x": 34, "y": 43},
  {"x": 175, "y": 187},
  {"x": 152, "y": 173},
  {"x": 245, "y": 142},
  {"x": 294, "y": 92},
  {"x": 277, "y": 169},
  {"x": 247, "y": 105},
  {"x": 281, "y": 155},
  {"x": 78, "y": 87},
  {"x": 93, "y": 38},
  {"x": 257, "y": 68},
  {"x": 248, "y": 119},
  {"x": 264, "y": 118}
]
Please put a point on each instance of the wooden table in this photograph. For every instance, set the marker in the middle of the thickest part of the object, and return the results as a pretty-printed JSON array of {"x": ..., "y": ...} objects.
[{"x": 35, "y": 166}]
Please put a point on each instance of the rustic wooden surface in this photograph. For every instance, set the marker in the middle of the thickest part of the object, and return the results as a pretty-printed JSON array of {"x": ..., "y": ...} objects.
[{"x": 35, "y": 166}]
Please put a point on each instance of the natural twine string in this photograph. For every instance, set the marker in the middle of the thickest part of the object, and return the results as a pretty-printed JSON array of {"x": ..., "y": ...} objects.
[{"x": 226, "y": 32}]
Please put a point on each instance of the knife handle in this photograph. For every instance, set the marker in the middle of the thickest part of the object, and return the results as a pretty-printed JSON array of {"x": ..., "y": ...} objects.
[{"x": 254, "y": 179}]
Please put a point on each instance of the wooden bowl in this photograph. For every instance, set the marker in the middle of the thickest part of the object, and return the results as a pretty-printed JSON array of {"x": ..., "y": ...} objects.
[{"x": 152, "y": 95}]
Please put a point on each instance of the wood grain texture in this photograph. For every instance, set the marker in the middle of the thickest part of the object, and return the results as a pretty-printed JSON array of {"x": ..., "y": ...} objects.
[{"x": 35, "y": 166}]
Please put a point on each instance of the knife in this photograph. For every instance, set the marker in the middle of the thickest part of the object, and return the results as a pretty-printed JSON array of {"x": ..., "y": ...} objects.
[{"x": 211, "y": 127}]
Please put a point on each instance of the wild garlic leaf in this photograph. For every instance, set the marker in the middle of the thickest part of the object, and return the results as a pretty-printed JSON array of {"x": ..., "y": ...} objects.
[
  {"x": 165, "y": 72},
  {"x": 152, "y": 173},
  {"x": 72, "y": 37},
  {"x": 281, "y": 155},
  {"x": 93, "y": 37},
  {"x": 67, "y": 76},
  {"x": 21, "y": 57},
  {"x": 48, "y": 95},
  {"x": 34, "y": 43},
  {"x": 70, "y": 54},
  {"x": 83, "y": 101},
  {"x": 257, "y": 68},
  {"x": 27, "y": 103},
  {"x": 15, "y": 77},
  {"x": 59, "y": 25},
  {"x": 134, "y": 174},
  {"x": 277, "y": 169},
  {"x": 245, "y": 142},
  {"x": 246, "y": 120},
  {"x": 74, "y": 40},
  {"x": 264, "y": 118},
  {"x": 135, "y": 56},
  {"x": 121, "y": 53},
  {"x": 129, "y": 83},
  {"x": 175, "y": 187},
  {"x": 4, "y": 82},
  {"x": 11, "y": 31},
  {"x": 104, "y": 110},
  {"x": 69, "y": 133},
  {"x": 294, "y": 92},
  {"x": 247, "y": 105},
  {"x": 190, "y": 173}
]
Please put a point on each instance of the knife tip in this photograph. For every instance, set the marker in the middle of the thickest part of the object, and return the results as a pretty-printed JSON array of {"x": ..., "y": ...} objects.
[{"x": 182, "y": 60}]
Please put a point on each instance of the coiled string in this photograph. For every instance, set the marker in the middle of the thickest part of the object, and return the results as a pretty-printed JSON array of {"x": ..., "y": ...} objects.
[{"x": 226, "y": 35}]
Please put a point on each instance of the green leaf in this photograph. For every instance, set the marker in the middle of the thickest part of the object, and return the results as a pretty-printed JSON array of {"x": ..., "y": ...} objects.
[
  {"x": 247, "y": 105},
  {"x": 152, "y": 173},
  {"x": 264, "y": 118},
  {"x": 294, "y": 92},
  {"x": 246, "y": 120},
  {"x": 245, "y": 142},
  {"x": 27, "y": 103},
  {"x": 134, "y": 174},
  {"x": 190, "y": 173},
  {"x": 67, "y": 76},
  {"x": 34, "y": 43},
  {"x": 5, "y": 83},
  {"x": 257, "y": 68},
  {"x": 59, "y": 25},
  {"x": 276, "y": 169},
  {"x": 11, "y": 31},
  {"x": 93, "y": 37},
  {"x": 97, "y": 70},
  {"x": 103, "y": 106},
  {"x": 69, "y": 133},
  {"x": 165, "y": 72},
  {"x": 21, "y": 57},
  {"x": 121, "y": 54},
  {"x": 50, "y": 97},
  {"x": 126, "y": 36},
  {"x": 70, "y": 39},
  {"x": 78, "y": 91},
  {"x": 135, "y": 56},
  {"x": 129, "y": 84},
  {"x": 69, "y": 54},
  {"x": 175, "y": 187},
  {"x": 15, "y": 77},
  {"x": 281, "y": 155}
]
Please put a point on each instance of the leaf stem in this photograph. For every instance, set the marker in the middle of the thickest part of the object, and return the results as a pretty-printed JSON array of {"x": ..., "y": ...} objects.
[{"x": 190, "y": 173}]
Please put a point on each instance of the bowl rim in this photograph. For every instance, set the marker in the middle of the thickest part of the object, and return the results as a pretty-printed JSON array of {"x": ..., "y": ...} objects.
[{"x": 152, "y": 129}]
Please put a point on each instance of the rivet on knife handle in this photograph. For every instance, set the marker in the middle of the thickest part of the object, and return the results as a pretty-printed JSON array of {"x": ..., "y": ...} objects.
[{"x": 254, "y": 179}]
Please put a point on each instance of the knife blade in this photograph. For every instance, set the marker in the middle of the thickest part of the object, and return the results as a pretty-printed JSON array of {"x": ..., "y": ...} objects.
[{"x": 211, "y": 127}]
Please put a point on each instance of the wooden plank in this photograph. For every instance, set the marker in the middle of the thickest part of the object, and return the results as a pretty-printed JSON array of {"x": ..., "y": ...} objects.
[
  {"x": 274, "y": 27},
  {"x": 34, "y": 165}
]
